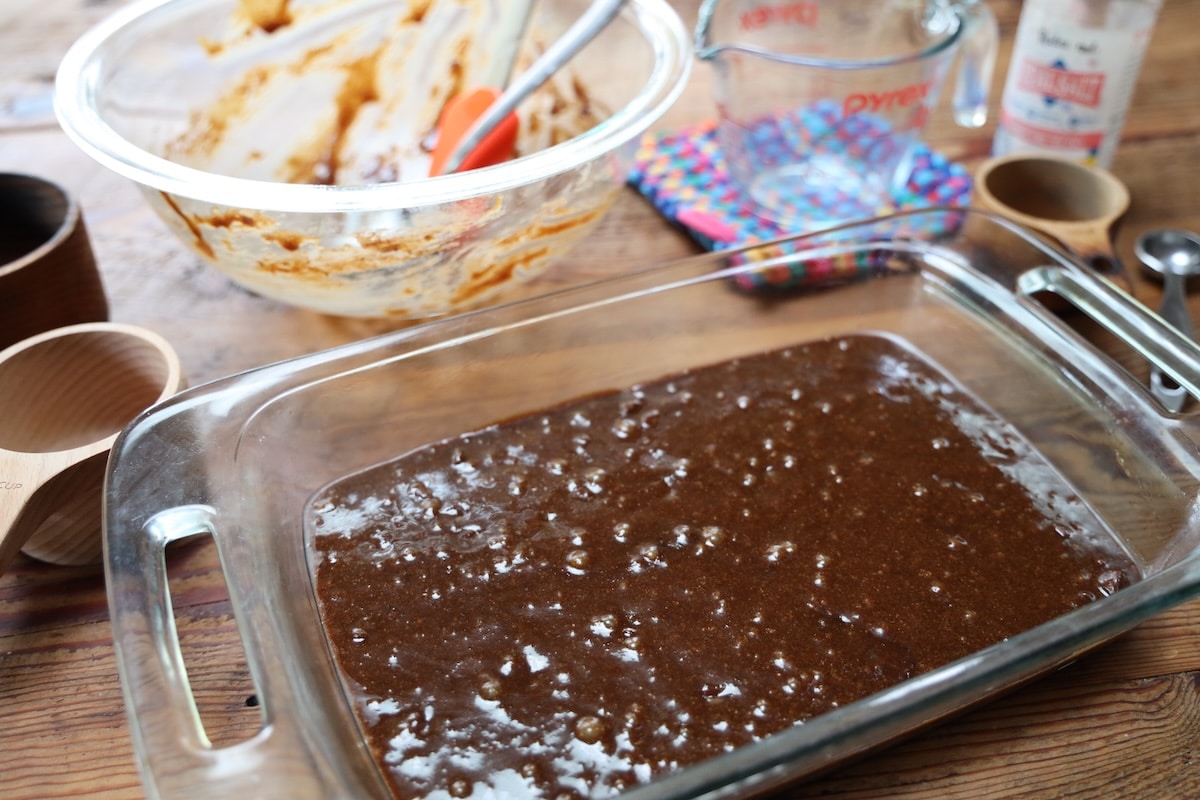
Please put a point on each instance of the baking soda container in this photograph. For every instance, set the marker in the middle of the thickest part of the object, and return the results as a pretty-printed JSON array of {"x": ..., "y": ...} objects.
[{"x": 1074, "y": 67}]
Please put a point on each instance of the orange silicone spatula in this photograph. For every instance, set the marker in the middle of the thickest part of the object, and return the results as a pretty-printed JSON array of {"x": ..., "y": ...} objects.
[
  {"x": 475, "y": 146},
  {"x": 463, "y": 110}
]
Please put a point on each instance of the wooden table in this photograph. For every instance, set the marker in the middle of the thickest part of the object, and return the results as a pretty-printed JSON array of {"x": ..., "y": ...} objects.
[{"x": 1124, "y": 722}]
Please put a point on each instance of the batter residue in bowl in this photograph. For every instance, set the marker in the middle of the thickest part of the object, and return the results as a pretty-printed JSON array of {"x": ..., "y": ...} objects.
[
  {"x": 571, "y": 603},
  {"x": 307, "y": 100},
  {"x": 348, "y": 93}
]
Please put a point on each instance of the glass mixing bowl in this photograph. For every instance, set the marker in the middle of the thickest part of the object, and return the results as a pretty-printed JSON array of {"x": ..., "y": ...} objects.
[{"x": 287, "y": 143}]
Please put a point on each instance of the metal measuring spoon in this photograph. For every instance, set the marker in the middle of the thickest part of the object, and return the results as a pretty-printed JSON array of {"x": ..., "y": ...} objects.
[{"x": 1175, "y": 255}]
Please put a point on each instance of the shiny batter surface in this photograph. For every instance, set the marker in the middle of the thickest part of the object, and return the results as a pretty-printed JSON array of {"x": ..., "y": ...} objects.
[{"x": 574, "y": 602}]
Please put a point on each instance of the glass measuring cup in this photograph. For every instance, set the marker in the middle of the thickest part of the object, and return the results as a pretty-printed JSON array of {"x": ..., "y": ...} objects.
[{"x": 821, "y": 103}]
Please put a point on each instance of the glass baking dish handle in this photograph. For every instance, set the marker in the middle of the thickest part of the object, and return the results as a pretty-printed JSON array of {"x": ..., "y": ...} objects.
[
  {"x": 176, "y": 758},
  {"x": 1177, "y": 355}
]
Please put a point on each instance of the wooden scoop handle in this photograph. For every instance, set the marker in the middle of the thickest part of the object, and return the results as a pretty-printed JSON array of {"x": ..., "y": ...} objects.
[
  {"x": 1093, "y": 245},
  {"x": 35, "y": 489},
  {"x": 16, "y": 489}
]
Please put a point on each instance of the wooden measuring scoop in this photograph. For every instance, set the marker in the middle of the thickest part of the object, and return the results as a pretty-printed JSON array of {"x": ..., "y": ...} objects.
[
  {"x": 64, "y": 396},
  {"x": 1075, "y": 205}
]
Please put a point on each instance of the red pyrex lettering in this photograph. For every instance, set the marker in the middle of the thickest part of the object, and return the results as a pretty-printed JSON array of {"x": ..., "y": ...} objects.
[
  {"x": 885, "y": 100},
  {"x": 795, "y": 13},
  {"x": 1083, "y": 88}
]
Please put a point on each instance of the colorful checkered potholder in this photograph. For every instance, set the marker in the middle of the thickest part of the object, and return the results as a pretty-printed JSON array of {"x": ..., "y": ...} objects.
[{"x": 683, "y": 174}]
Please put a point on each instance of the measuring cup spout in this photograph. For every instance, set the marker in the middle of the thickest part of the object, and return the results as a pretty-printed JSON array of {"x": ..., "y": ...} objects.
[
  {"x": 980, "y": 39},
  {"x": 701, "y": 44},
  {"x": 719, "y": 15}
]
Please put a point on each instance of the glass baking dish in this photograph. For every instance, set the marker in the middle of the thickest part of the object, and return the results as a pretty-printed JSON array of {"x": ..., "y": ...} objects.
[{"x": 239, "y": 459}]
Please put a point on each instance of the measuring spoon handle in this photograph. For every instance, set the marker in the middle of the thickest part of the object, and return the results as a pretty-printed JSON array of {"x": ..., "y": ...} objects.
[
  {"x": 1174, "y": 303},
  {"x": 1174, "y": 310}
]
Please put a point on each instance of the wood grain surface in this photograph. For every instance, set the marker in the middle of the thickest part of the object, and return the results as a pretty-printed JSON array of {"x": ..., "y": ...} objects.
[{"x": 1123, "y": 722}]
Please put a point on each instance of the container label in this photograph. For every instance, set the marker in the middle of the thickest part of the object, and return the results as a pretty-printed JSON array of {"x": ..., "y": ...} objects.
[
  {"x": 1069, "y": 87},
  {"x": 1051, "y": 138},
  {"x": 1083, "y": 88}
]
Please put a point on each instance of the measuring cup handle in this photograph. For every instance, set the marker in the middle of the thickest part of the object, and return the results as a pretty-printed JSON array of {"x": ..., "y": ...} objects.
[
  {"x": 980, "y": 41},
  {"x": 1174, "y": 303}
]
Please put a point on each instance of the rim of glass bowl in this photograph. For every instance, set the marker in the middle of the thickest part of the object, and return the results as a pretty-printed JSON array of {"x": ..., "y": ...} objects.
[{"x": 79, "y": 74}]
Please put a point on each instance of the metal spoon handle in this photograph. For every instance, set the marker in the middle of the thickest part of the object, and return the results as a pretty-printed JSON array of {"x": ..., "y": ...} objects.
[
  {"x": 584, "y": 29},
  {"x": 1173, "y": 309},
  {"x": 1174, "y": 303}
]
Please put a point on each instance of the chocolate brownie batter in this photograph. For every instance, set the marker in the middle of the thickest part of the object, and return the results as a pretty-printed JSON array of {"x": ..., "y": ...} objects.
[{"x": 574, "y": 602}]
